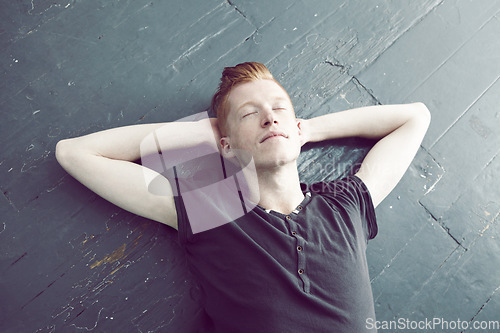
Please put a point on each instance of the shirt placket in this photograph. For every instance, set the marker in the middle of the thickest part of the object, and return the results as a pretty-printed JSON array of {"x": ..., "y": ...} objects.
[{"x": 300, "y": 250}]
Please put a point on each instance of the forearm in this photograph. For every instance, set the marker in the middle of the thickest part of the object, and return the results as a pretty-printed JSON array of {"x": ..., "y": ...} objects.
[
  {"x": 372, "y": 122},
  {"x": 124, "y": 143}
]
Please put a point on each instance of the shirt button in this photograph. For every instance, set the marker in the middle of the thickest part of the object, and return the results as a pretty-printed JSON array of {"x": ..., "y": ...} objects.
[
  {"x": 288, "y": 217},
  {"x": 299, "y": 248},
  {"x": 301, "y": 271},
  {"x": 294, "y": 233}
]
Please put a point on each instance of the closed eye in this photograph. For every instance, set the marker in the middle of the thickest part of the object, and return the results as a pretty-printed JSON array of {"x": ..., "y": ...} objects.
[{"x": 249, "y": 113}]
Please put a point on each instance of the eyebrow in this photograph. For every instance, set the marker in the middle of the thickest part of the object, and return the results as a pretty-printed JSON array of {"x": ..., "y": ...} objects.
[{"x": 245, "y": 104}]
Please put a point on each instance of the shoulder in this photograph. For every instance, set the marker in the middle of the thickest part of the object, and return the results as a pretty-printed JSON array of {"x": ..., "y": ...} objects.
[{"x": 351, "y": 197}]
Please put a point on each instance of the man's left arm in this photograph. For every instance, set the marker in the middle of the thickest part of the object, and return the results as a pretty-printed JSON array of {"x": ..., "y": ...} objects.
[{"x": 399, "y": 130}]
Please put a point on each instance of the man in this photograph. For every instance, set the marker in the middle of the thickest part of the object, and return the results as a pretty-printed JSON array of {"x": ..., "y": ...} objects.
[{"x": 296, "y": 262}]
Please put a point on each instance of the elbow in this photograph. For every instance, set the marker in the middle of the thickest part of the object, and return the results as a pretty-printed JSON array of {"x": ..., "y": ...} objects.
[
  {"x": 63, "y": 150},
  {"x": 422, "y": 113}
]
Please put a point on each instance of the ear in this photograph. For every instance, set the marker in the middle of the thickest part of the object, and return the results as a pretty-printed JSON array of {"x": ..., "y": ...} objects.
[
  {"x": 300, "y": 127},
  {"x": 226, "y": 147}
]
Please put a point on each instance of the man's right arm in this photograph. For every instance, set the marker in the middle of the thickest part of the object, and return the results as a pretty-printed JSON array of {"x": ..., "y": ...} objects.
[{"x": 103, "y": 162}]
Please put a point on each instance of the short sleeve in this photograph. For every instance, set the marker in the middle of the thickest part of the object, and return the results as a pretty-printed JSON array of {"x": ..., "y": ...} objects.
[{"x": 352, "y": 194}]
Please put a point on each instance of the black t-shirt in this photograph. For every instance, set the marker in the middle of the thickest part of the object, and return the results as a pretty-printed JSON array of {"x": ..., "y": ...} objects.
[{"x": 302, "y": 272}]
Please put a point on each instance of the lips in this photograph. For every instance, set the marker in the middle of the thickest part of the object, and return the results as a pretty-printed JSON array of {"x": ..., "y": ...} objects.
[{"x": 273, "y": 134}]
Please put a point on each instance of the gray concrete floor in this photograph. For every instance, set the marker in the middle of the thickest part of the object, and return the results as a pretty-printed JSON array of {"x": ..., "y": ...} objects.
[{"x": 71, "y": 262}]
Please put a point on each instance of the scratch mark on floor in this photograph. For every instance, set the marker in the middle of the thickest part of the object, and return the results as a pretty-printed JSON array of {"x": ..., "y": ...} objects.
[
  {"x": 17, "y": 260},
  {"x": 92, "y": 328},
  {"x": 113, "y": 257}
]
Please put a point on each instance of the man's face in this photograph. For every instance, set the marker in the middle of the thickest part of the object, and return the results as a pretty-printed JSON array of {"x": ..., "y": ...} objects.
[{"x": 262, "y": 122}]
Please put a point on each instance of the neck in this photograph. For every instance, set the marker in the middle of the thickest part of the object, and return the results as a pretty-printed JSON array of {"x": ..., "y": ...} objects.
[{"x": 279, "y": 188}]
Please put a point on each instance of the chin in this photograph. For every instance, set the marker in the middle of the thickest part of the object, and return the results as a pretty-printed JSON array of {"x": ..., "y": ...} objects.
[{"x": 275, "y": 160}]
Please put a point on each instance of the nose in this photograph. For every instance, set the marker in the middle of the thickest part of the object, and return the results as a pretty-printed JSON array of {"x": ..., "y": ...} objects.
[{"x": 268, "y": 118}]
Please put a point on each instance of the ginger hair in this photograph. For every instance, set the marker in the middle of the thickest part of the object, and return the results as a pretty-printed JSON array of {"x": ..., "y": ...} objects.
[{"x": 232, "y": 76}]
